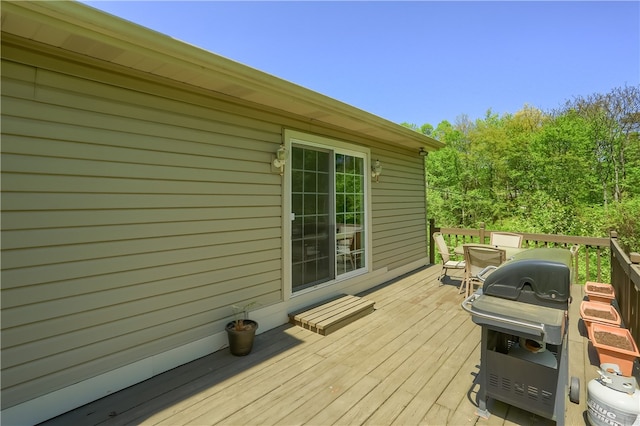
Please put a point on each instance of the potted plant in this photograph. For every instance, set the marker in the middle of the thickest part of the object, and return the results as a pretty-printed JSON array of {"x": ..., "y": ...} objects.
[{"x": 241, "y": 331}]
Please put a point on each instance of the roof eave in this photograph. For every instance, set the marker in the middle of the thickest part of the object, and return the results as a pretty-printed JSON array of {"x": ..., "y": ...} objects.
[{"x": 82, "y": 29}]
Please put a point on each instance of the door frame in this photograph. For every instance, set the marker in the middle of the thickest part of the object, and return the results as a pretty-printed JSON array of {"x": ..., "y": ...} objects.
[{"x": 312, "y": 140}]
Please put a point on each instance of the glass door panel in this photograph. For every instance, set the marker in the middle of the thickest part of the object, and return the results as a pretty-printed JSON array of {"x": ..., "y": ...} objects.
[
  {"x": 350, "y": 205},
  {"x": 311, "y": 242}
]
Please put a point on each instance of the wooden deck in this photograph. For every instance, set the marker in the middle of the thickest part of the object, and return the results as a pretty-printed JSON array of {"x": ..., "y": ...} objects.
[{"x": 414, "y": 360}]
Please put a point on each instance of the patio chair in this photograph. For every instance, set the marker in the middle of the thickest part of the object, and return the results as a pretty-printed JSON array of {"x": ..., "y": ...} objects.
[
  {"x": 506, "y": 239},
  {"x": 574, "y": 249},
  {"x": 477, "y": 257},
  {"x": 574, "y": 253},
  {"x": 344, "y": 248},
  {"x": 447, "y": 262}
]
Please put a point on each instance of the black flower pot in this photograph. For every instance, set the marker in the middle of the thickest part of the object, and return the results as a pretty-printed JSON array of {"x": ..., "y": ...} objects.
[{"x": 241, "y": 341}]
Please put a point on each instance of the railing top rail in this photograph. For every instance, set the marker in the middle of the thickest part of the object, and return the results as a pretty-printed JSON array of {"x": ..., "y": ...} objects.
[
  {"x": 569, "y": 239},
  {"x": 548, "y": 238},
  {"x": 630, "y": 269},
  {"x": 461, "y": 231},
  {"x": 594, "y": 254}
]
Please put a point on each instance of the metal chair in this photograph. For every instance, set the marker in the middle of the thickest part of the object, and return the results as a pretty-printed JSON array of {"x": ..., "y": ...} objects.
[
  {"x": 447, "y": 262},
  {"x": 477, "y": 257},
  {"x": 506, "y": 239}
]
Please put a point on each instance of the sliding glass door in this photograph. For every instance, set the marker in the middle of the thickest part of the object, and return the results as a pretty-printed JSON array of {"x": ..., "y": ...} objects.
[{"x": 328, "y": 214}]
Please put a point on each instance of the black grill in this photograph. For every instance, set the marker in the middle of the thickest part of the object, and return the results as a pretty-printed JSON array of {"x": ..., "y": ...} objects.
[
  {"x": 538, "y": 276},
  {"x": 523, "y": 310}
]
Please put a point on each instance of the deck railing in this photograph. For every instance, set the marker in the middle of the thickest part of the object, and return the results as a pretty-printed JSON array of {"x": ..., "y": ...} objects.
[
  {"x": 591, "y": 260},
  {"x": 625, "y": 278},
  {"x": 598, "y": 259}
]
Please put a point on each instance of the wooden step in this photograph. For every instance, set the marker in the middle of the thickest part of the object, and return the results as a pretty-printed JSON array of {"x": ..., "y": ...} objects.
[{"x": 333, "y": 314}]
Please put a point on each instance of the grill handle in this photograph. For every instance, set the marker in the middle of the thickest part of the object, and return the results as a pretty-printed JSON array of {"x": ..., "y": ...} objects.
[
  {"x": 466, "y": 305},
  {"x": 480, "y": 274}
]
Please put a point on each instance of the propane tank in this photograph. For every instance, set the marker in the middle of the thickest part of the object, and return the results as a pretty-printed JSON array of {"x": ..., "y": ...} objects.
[{"x": 613, "y": 399}]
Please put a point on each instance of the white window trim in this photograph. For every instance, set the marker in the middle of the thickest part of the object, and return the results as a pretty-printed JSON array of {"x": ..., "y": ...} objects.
[{"x": 294, "y": 136}]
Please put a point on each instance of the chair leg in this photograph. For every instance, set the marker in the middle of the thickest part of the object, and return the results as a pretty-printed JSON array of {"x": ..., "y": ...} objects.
[
  {"x": 443, "y": 272},
  {"x": 463, "y": 286},
  {"x": 471, "y": 287}
]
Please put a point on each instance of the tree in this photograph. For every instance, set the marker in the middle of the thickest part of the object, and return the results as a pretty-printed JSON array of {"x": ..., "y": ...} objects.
[
  {"x": 614, "y": 120},
  {"x": 574, "y": 171},
  {"x": 561, "y": 161}
]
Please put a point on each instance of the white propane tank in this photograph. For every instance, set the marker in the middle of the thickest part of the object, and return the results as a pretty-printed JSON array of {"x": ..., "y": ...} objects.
[{"x": 613, "y": 399}]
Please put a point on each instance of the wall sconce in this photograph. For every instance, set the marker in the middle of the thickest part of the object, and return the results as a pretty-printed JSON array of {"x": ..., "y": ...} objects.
[
  {"x": 376, "y": 170},
  {"x": 422, "y": 152},
  {"x": 281, "y": 159}
]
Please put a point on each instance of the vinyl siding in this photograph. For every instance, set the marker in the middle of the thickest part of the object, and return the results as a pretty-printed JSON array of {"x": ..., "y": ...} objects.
[
  {"x": 135, "y": 212},
  {"x": 130, "y": 223},
  {"x": 399, "y": 233}
]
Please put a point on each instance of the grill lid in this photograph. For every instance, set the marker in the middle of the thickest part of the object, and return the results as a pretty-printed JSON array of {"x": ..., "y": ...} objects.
[{"x": 539, "y": 276}]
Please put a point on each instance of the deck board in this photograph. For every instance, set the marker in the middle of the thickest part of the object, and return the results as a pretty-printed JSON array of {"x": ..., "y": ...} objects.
[{"x": 414, "y": 360}]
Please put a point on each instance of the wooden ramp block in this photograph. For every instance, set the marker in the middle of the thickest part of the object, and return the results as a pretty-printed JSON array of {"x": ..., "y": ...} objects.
[{"x": 333, "y": 314}]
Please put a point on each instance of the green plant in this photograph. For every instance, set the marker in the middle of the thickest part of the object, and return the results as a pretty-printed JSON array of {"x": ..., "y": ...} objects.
[{"x": 240, "y": 314}]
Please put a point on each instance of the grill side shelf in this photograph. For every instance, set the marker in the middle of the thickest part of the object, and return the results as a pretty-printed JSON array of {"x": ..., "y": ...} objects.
[{"x": 546, "y": 323}]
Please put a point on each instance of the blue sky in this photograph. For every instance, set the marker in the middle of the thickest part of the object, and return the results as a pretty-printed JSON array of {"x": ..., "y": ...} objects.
[{"x": 418, "y": 61}]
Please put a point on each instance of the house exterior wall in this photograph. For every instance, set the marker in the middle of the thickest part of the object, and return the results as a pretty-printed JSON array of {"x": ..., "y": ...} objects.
[
  {"x": 399, "y": 210},
  {"x": 135, "y": 212}
]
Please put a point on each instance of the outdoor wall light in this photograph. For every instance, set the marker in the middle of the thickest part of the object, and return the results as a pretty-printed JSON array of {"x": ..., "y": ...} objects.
[
  {"x": 422, "y": 152},
  {"x": 376, "y": 170},
  {"x": 281, "y": 159}
]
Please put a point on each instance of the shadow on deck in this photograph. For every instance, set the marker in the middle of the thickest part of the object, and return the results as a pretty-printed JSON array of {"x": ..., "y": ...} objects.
[{"x": 414, "y": 360}]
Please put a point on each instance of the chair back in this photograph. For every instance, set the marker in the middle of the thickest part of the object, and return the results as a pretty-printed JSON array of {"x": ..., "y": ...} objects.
[
  {"x": 478, "y": 257},
  {"x": 345, "y": 245},
  {"x": 574, "y": 249},
  {"x": 506, "y": 239},
  {"x": 442, "y": 246}
]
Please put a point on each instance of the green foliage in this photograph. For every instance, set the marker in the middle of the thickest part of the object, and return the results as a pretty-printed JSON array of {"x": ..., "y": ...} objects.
[
  {"x": 625, "y": 219},
  {"x": 575, "y": 171}
]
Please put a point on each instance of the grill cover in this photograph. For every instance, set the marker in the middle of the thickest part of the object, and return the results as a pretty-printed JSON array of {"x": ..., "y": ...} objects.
[{"x": 540, "y": 276}]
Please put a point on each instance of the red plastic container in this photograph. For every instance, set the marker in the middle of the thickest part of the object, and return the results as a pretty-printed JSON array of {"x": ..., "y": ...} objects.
[
  {"x": 599, "y": 292},
  {"x": 609, "y": 351}
]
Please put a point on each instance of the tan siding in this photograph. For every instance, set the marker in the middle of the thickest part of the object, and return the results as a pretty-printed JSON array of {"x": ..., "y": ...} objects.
[
  {"x": 255, "y": 230},
  {"x": 165, "y": 315},
  {"x": 198, "y": 151},
  {"x": 130, "y": 223},
  {"x": 388, "y": 229},
  {"x": 389, "y": 215},
  {"x": 21, "y": 161},
  {"x": 42, "y": 274},
  {"x": 89, "y": 201},
  {"x": 22, "y": 83},
  {"x": 48, "y": 219},
  {"x": 399, "y": 217}
]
